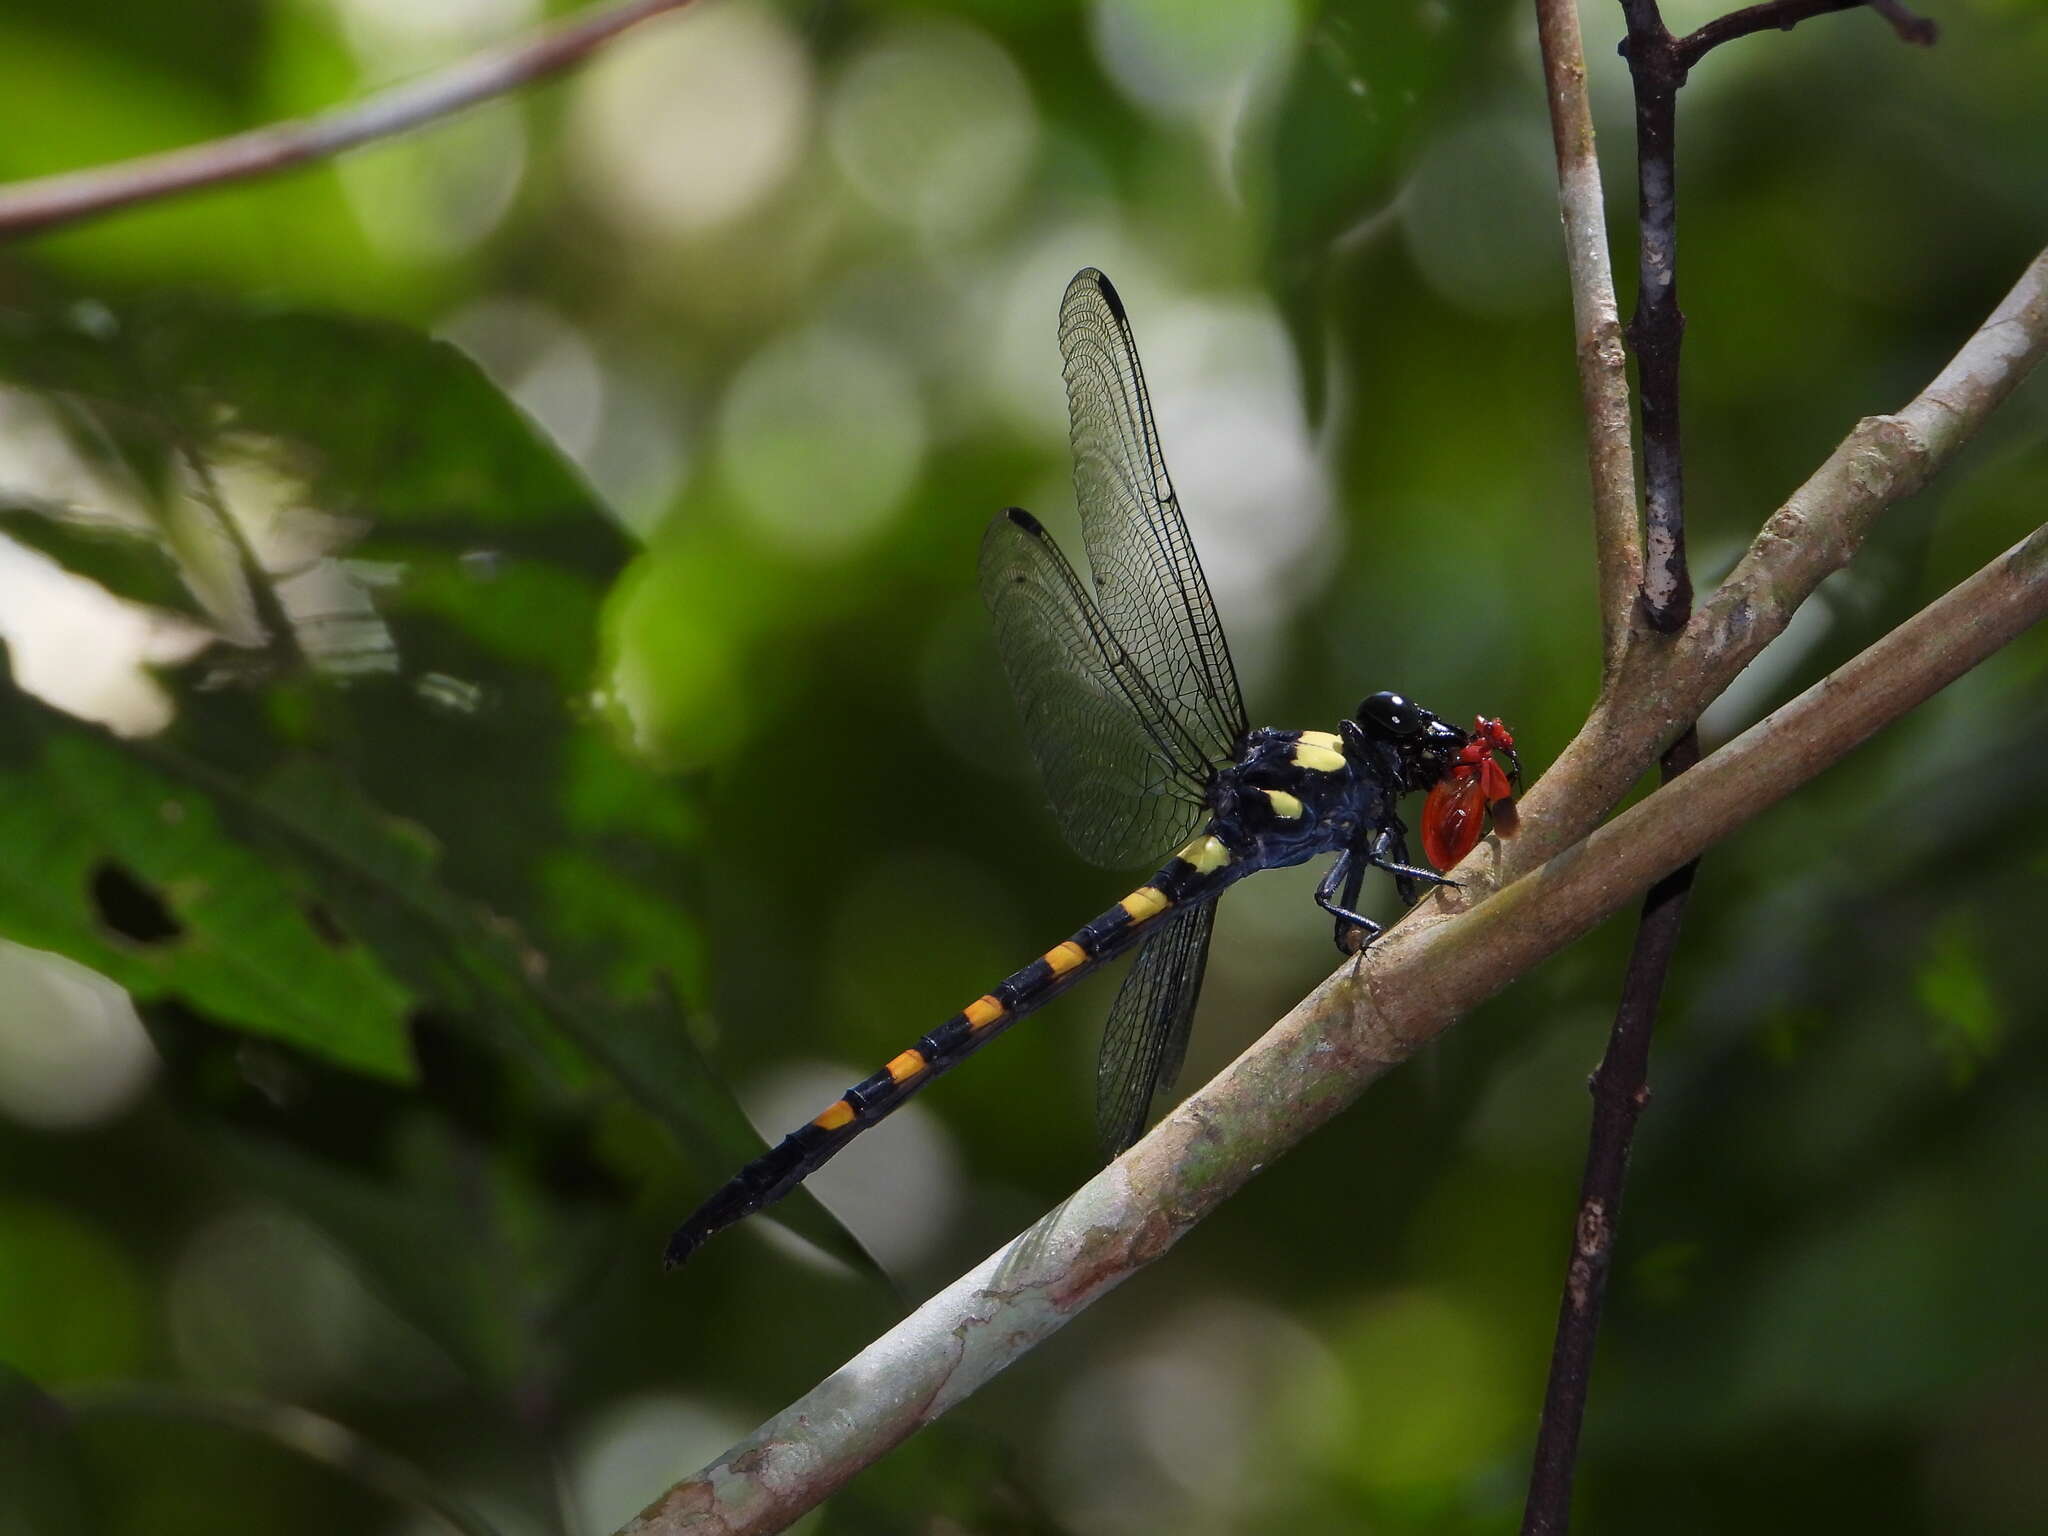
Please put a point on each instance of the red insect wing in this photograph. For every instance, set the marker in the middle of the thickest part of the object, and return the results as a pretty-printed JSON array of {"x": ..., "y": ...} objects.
[
  {"x": 1493, "y": 782},
  {"x": 1452, "y": 818}
]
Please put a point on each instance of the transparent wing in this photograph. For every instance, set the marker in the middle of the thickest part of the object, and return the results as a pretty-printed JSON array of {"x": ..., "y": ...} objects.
[
  {"x": 1125, "y": 788},
  {"x": 1147, "y": 1034},
  {"x": 1148, "y": 582}
]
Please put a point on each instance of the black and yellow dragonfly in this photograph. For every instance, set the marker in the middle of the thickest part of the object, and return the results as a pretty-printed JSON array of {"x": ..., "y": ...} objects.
[{"x": 1132, "y": 709}]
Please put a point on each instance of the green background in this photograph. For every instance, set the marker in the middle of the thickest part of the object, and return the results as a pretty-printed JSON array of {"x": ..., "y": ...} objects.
[{"x": 588, "y": 490}]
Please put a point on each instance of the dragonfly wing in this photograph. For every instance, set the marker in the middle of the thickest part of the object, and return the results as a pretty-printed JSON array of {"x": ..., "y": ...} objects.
[
  {"x": 1148, "y": 580},
  {"x": 1124, "y": 788},
  {"x": 1147, "y": 1034}
]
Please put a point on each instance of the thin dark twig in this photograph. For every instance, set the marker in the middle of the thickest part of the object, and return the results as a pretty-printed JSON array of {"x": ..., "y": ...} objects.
[
  {"x": 1784, "y": 15},
  {"x": 1620, "y": 1085},
  {"x": 49, "y": 201},
  {"x": 1658, "y": 64},
  {"x": 1620, "y": 1089},
  {"x": 1657, "y": 327}
]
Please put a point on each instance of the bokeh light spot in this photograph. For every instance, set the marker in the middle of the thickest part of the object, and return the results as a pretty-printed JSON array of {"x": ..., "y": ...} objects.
[
  {"x": 636, "y": 1448},
  {"x": 434, "y": 195},
  {"x": 72, "y": 1051},
  {"x": 934, "y": 125},
  {"x": 1480, "y": 216},
  {"x": 822, "y": 435},
  {"x": 259, "y": 1301},
  {"x": 1185, "y": 61},
  {"x": 692, "y": 124}
]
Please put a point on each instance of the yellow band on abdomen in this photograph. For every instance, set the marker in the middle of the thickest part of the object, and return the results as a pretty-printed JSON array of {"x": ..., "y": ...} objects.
[
  {"x": 1206, "y": 853},
  {"x": 1065, "y": 957},
  {"x": 841, "y": 1113},
  {"x": 1145, "y": 903}
]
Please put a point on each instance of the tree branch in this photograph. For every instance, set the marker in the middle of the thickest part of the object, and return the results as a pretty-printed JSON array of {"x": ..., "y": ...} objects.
[
  {"x": 1596, "y": 325},
  {"x": 1662, "y": 688},
  {"x": 1621, "y": 1084},
  {"x": 50, "y": 201},
  {"x": 1361, "y": 1022},
  {"x": 1620, "y": 1087},
  {"x": 1657, "y": 327},
  {"x": 1784, "y": 15}
]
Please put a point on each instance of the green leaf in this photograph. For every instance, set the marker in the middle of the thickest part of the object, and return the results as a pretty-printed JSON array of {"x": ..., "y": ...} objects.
[
  {"x": 407, "y": 773},
  {"x": 129, "y": 562},
  {"x": 129, "y": 869}
]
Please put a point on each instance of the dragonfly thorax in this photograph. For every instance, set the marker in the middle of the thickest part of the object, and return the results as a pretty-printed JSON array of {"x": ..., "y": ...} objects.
[{"x": 1292, "y": 795}]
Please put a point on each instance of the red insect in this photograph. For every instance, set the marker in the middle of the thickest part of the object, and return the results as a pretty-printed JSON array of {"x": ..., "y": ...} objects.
[{"x": 1454, "y": 815}]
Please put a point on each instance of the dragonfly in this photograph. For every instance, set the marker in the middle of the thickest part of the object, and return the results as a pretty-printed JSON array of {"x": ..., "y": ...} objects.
[{"x": 1131, "y": 706}]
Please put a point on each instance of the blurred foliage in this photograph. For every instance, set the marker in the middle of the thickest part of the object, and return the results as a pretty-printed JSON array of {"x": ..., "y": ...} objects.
[{"x": 519, "y": 670}]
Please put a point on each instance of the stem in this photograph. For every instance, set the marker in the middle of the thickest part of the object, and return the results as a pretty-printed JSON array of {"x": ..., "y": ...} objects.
[
  {"x": 1657, "y": 328},
  {"x": 1784, "y": 15},
  {"x": 1596, "y": 326},
  {"x": 1658, "y": 64},
  {"x": 50, "y": 201},
  {"x": 1620, "y": 1086}
]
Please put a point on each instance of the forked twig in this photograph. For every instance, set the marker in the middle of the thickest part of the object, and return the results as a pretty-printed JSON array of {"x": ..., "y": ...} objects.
[{"x": 1658, "y": 67}]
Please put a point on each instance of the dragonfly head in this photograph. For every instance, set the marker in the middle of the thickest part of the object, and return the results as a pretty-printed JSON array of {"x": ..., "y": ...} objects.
[{"x": 1422, "y": 744}]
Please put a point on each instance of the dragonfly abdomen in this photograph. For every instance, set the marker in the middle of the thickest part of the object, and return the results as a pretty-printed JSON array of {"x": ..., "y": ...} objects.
[{"x": 1196, "y": 872}]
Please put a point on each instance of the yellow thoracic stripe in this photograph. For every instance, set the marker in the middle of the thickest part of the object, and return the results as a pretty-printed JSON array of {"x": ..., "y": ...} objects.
[
  {"x": 1065, "y": 957},
  {"x": 906, "y": 1066},
  {"x": 841, "y": 1113},
  {"x": 982, "y": 1012},
  {"x": 1316, "y": 757},
  {"x": 1287, "y": 807},
  {"x": 1146, "y": 902}
]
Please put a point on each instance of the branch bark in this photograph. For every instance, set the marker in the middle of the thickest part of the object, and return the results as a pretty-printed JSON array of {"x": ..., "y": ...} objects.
[
  {"x": 1621, "y": 1083},
  {"x": 1596, "y": 326},
  {"x": 1364, "y": 1020},
  {"x": 1663, "y": 687},
  {"x": 1657, "y": 328},
  {"x": 49, "y": 202}
]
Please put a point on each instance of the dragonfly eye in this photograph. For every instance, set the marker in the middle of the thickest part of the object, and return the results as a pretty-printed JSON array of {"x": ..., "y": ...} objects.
[{"x": 1392, "y": 715}]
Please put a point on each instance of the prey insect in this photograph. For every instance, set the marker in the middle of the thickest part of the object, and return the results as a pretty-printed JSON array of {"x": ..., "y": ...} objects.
[{"x": 1131, "y": 705}]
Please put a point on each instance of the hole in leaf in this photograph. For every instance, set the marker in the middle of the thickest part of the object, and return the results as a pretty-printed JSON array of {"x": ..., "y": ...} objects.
[
  {"x": 325, "y": 926},
  {"x": 132, "y": 909}
]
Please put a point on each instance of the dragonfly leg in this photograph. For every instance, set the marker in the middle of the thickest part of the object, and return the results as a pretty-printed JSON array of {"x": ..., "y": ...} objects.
[
  {"x": 1389, "y": 852},
  {"x": 1354, "y": 931},
  {"x": 1394, "y": 843}
]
